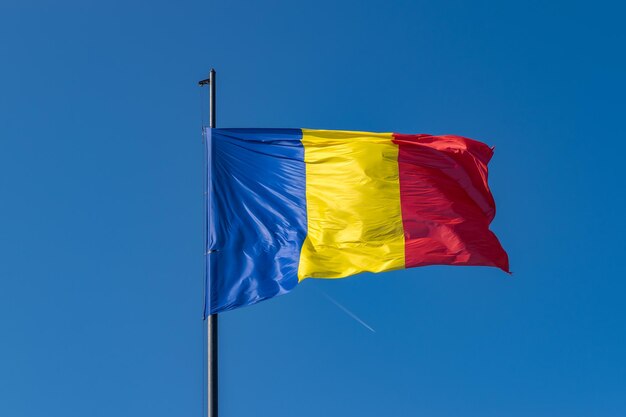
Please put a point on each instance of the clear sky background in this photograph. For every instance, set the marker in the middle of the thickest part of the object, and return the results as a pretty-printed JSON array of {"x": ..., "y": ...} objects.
[{"x": 101, "y": 207}]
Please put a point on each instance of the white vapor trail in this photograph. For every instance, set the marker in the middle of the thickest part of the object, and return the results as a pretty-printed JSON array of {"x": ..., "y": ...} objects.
[{"x": 348, "y": 312}]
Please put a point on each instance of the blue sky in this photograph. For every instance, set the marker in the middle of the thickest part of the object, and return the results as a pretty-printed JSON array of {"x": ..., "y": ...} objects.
[{"x": 101, "y": 249}]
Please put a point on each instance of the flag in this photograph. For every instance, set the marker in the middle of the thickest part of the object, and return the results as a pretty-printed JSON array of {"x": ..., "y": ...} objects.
[{"x": 288, "y": 204}]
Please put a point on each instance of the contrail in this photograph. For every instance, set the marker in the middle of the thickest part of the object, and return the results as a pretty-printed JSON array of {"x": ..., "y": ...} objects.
[{"x": 348, "y": 312}]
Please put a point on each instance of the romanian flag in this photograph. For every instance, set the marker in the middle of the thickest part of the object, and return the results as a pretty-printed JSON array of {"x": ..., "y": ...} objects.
[{"x": 288, "y": 204}]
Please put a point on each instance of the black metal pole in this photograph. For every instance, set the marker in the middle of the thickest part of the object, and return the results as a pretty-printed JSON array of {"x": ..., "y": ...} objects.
[
  {"x": 211, "y": 321},
  {"x": 212, "y": 98}
]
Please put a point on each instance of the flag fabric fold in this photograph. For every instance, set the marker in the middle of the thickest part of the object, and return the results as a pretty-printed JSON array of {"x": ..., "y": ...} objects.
[{"x": 288, "y": 204}]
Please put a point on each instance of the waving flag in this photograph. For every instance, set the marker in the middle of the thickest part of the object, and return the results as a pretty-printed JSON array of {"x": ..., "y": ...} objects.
[{"x": 288, "y": 204}]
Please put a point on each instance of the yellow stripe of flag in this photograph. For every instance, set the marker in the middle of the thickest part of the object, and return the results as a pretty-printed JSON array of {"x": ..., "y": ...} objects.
[{"x": 353, "y": 204}]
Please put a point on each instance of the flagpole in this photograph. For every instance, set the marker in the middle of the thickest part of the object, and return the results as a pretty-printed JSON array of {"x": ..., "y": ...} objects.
[{"x": 211, "y": 320}]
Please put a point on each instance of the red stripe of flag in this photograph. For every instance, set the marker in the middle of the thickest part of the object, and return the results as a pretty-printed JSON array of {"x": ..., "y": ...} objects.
[{"x": 446, "y": 203}]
